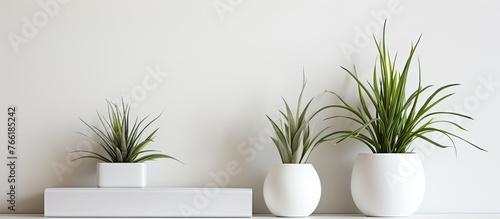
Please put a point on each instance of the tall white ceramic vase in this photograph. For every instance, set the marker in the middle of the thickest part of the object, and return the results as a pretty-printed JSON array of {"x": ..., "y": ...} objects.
[
  {"x": 292, "y": 190},
  {"x": 388, "y": 185}
]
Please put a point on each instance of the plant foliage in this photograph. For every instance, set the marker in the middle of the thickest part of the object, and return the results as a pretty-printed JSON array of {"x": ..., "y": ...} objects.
[
  {"x": 121, "y": 138},
  {"x": 294, "y": 138},
  {"x": 397, "y": 119}
]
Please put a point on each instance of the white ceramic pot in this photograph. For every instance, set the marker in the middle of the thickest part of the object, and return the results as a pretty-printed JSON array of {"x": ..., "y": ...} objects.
[
  {"x": 389, "y": 185},
  {"x": 121, "y": 175},
  {"x": 292, "y": 190}
]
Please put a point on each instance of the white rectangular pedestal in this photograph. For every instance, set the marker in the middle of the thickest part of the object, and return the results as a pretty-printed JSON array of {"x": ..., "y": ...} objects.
[{"x": 148, "y": 202}]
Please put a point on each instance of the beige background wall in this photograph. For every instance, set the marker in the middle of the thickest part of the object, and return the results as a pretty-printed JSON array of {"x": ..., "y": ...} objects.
[{"x": 216, "y": 67}]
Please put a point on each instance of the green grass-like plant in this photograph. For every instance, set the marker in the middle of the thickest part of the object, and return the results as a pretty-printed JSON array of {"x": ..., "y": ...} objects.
[
  {"x": 120, "y": 138},
  {"x": 397, "y": 120},
  {"x": 294, "y": 138}
]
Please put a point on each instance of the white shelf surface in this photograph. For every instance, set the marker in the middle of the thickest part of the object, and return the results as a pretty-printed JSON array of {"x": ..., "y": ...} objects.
[
  {"x": 147, "y": 202},
  {"x": 315, "y": 216}
]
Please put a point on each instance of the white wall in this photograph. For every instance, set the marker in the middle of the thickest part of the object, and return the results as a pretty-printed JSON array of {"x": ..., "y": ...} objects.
[{"x": 215, "y": 73}]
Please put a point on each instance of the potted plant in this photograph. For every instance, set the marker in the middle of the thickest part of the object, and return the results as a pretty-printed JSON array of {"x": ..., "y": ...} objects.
[
  {"x": 293, "y": 188},
  {"x": 123, "y": 162},
  {"x": 390, "y": 181}
]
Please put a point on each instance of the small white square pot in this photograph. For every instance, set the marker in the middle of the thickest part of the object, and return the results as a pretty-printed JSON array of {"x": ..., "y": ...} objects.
[{"x": 121, "y": 175}]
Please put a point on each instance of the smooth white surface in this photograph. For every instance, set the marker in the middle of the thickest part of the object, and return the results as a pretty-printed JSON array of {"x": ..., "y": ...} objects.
[
  {"x": 148, "y": 202},
  {"x": 125, "y": 175},
  {"x": 292, "y": 190},
  {"x": 328, "y": 216},
  {"x": 388, "y": 185},
  {"x": 215, "y": 77}
]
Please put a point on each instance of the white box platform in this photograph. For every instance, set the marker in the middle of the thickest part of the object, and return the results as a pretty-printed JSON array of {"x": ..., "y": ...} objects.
[{"x": 148, "y": 202}]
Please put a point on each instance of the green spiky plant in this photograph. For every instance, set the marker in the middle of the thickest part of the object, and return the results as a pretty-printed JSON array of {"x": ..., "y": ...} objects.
[
  {"x": 294, "y": 138},
  {"x": 121, "y": 138},
  {"x": 397, "y": 119}
]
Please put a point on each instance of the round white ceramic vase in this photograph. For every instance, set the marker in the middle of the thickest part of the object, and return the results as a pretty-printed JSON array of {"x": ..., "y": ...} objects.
[
  {"x": 292, "y": 190},
  {"x": 121, "y": 175},
  {"x": 388, "y": 185}
]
